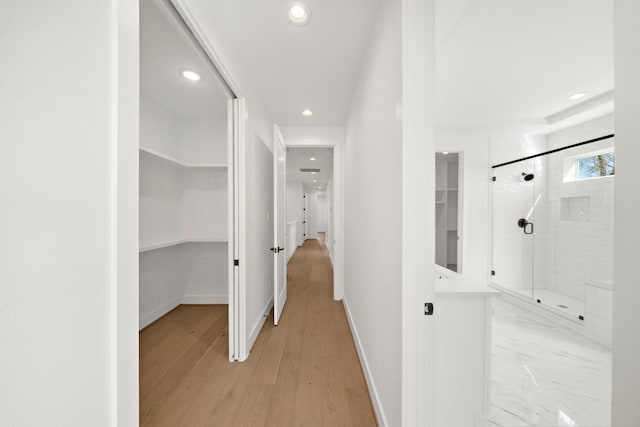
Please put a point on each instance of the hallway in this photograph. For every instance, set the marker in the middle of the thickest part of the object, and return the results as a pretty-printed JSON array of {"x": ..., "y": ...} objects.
[{"x": 303, "y": 372}]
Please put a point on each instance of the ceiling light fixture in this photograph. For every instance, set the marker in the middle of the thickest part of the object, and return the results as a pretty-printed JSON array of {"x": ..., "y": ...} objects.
[
  {"x": 313, "y": 173},
  {"x": 576, "y": 96},
  {"x": 445, "y": 152},
  {"x": 313, "y": 159},
  {"x": 307, "y": 113},
  {"x": 190, "y": 75},
  {"x": 298, "y": 13},
  {"x": 315, "y": 180},
  {"x": 319, "y": 188}
]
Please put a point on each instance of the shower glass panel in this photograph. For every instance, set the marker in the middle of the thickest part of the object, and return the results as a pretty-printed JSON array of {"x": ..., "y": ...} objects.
[
  {"x": 553, "y": 228},
  {"x": 513, "y": 222}
]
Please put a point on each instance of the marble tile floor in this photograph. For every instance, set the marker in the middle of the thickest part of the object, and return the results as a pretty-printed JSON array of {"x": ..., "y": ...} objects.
[{"x": 545, "y": 375}]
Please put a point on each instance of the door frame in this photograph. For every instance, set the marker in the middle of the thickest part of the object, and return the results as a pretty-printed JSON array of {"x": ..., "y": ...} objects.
[{"x": 337, "y": 258}]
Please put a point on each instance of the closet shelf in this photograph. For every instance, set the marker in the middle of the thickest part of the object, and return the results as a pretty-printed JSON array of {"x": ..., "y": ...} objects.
[
  {"x": 178, "y": 162},
  {"x": 155, "y": 246}
]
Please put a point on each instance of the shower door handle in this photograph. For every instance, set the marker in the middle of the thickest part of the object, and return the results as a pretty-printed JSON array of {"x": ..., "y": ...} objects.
[{"x": 523, "y": 223}]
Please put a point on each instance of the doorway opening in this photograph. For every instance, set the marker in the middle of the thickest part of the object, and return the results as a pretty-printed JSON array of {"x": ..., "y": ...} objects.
[
  {"x": 310, "y": 197},
  {"x": 188, "y": 206}
]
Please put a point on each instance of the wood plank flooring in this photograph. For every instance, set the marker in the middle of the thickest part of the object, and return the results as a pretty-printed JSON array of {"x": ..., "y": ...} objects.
[{"x": 303, "y": 372}]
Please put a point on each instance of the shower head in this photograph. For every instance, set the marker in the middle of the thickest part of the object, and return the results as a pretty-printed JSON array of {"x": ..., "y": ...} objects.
[{"x": 527, "y": 176}]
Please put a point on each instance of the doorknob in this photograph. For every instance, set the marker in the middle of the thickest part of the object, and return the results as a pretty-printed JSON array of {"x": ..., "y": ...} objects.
[
  {"x": 523, "y": 223},
  {"x": 276, "y": 250}
]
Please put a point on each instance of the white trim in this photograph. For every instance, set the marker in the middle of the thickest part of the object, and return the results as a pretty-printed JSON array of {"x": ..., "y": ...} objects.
[
  {"x": 231, "y": 229},
  {"x": 373, "y": 391},
  {"x": 205, "y": 299},
  {"x": 148, "y": 319},
  {"x": 241, "y": 253},
  {"x": 418, "y": 214},
  {"x": 257, "y": 327},
  {"x": 290, "y": 254},
  {"x": 123, "y": 226}
]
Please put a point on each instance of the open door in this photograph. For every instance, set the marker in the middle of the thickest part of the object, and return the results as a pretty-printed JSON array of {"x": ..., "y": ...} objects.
[{"x": 279, "y": 223}]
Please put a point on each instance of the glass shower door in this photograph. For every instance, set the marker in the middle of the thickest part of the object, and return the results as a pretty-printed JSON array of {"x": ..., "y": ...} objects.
[{"x": 513, "y": 227}]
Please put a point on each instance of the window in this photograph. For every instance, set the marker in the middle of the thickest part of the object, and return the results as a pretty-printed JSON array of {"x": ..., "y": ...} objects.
[{"x": 590, "y": 165}]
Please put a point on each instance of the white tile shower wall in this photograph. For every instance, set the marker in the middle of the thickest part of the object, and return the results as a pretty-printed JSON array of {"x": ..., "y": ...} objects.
[
  {"x": 598, "y": 319},
  {"x": 580, "y": 250}
]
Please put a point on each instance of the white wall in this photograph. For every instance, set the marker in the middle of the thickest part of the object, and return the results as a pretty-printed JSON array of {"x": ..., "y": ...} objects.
[
  {"x": 626, "y": 340},
  {"x": 179, "y": 203},
  {"x": 312, "y": 215},
  {"x": 373, "y": 219},
  {"x": 295, "y": 216},
  {"x": 158, "y": 128},
  {"x": 203, "y": 139},
  {"x": 330, "y": 217},
  {"x": 321, "y": 212},
  {"x": 68, "y": 164}
]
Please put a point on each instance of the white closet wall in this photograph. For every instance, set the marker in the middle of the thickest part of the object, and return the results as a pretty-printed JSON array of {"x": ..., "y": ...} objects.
[
  {"x": 183, "y": 211},
  {"x": 295, "y": 217}
]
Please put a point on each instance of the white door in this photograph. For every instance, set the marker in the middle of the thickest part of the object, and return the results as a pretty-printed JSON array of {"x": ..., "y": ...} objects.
[
  {"x": 235, "y": 135},
  {"x": 279, "y": 224}
]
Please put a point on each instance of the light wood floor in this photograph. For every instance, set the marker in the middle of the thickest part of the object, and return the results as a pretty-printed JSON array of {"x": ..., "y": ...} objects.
[{"x": 304, "y": 372}]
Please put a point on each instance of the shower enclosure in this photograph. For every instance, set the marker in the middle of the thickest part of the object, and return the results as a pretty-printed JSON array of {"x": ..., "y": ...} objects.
[{"x": 553, "y": 226}]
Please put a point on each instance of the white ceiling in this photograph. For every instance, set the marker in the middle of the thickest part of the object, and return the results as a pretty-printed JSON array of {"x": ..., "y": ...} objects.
[
  {"x": 518, "y": 61},
  {"x": 298, "y": 157},
  {"x": 165, "y": 51},
  {"x": 499, "y": 62},
  {"x": 294, "y": 67}
]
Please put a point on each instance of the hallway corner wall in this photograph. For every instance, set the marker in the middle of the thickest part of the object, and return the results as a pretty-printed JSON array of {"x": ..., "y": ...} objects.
[
  {"x": 69, "y": 217},
  {"x": 373, "y": 216}
]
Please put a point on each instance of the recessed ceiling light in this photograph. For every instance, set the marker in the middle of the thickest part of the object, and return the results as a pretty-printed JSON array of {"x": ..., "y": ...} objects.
[
  {"x": 190, "y": 75},
  {"x": 576, "y": 96},
  {"x": 445, "y": 152},
  {"x": 298, "y": 13},
  {"x": 319, "y": 188},
  {"x": 312, "y": 159},
  {"x": 315, "y": 180},
  {"x": 307, "y": 113}
]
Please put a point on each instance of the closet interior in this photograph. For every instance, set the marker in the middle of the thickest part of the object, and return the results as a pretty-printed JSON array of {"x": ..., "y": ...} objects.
[{"x": 184, "y": 185}]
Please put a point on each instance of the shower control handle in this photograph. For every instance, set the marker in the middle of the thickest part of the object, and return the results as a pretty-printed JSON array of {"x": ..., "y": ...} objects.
[{"x": 523, "y": 223}]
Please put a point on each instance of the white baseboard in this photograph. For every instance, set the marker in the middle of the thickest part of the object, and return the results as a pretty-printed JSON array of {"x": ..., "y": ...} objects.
[
  {"x": 257, "y": 327},
  {"x": 373, "y": 391},
  {"x": 290, "y": 254},
  {"x": 205, "y": 299},
  {"x": 148, "y": 319}
]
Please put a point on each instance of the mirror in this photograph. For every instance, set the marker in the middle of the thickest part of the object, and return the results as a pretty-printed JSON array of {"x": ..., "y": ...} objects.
[{"x": 447, "y": 204}]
